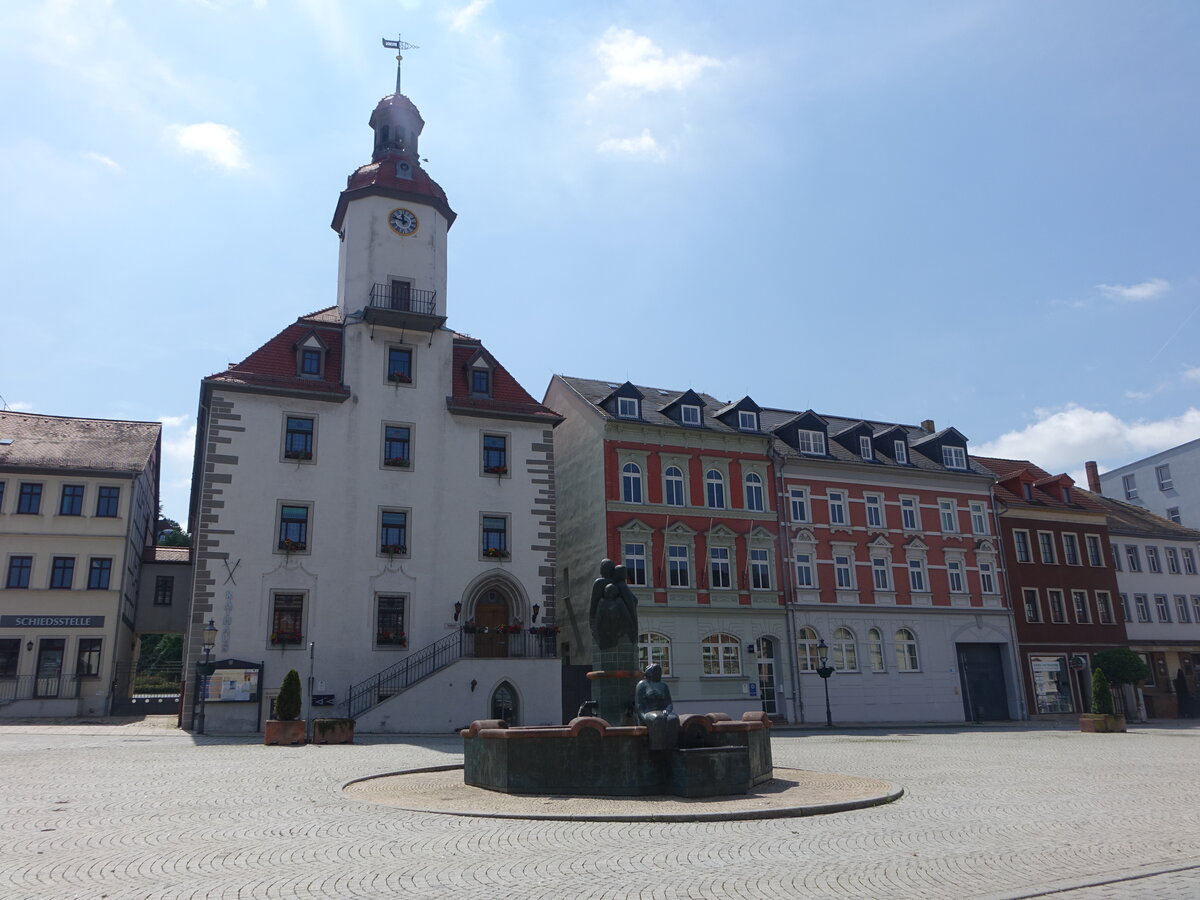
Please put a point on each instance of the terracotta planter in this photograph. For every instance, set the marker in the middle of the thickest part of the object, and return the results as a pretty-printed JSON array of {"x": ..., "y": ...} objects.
[
  {"x": 333, "y": 731},
  {"x": 1101, "y": 724},
  {"x": 280, "y": 732}
]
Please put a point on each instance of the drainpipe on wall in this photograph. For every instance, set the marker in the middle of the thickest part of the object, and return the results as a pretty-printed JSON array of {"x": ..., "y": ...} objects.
[{"x": 785, "y": 581}]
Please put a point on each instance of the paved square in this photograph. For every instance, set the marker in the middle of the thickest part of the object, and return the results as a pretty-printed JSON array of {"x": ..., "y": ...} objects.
[{"x": 104, "y": 811}]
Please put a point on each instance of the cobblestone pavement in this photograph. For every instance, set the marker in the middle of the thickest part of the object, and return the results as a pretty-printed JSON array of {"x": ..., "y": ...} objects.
[{"x": 127, "y": 812}]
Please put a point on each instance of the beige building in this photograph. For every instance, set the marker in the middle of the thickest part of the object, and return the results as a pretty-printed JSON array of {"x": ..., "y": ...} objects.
[{"x": 78, "y": 499}]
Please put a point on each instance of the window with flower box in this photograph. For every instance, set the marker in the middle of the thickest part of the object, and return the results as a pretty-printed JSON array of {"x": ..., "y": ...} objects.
[
  {"x": 721, "y": 655},
  {"x": 397, "y": 446},
  {"x": 495, "y": 454},
  {"x": 393, "y": 532},
  {"x": 389, "y": 622},
  {"x": 494, "y": 536},
  {"x": 293, "y": 528},
  {"x": 287, "y": 619},
  {"x": 298, "y": 434},
  {"x": 400, "y": 365}
]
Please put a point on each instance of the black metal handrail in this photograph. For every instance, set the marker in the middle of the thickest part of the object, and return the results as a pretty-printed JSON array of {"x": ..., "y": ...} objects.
[
  {"x": 39, "y": 687},
  {"x": 401, "y": 297}
]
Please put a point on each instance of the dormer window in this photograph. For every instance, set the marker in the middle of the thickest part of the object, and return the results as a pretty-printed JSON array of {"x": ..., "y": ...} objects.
[
  {"x": 865, "y": 450},
  {"x": 954, "y": 457},
  {"x": 627, "y": 407},
  {"x": 812, "y": 442},
  {"x": 900, "y": 451},
  {"x": 481, "y": 382},
  {"x": 1066, "y": 495},
  {"x": 1028, "y": 491},
  {"x": 310, "y": 362},
  {"x": 747, "y": 421},
  {"x": 688, "y": 415}
]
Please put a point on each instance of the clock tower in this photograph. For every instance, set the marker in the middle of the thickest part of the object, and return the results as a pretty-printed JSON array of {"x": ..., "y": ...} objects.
[{"x": 393, "y": 219}]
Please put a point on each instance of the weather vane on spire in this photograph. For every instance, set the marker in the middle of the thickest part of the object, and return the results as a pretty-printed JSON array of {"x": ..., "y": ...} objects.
[{"x": 399, "y": 45}]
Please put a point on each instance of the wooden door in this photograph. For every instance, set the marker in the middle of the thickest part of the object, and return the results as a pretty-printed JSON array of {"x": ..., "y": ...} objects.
[{"x": 491, "y": 612}]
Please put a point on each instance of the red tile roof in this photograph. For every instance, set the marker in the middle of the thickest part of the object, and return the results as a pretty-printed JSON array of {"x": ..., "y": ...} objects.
[
  {"x": 508, "y": 397},
  {"x": 273, "y": 365},
  {"x": 1008, "y": 471}
]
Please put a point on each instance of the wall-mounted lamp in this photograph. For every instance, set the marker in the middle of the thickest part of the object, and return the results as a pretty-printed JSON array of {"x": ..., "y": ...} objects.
[
  {"x": 474, "y": 684},
  {"x": 29, "y": 646},
  {"x": 457, "y": 610},
  {"x": 536, "y": 609}
]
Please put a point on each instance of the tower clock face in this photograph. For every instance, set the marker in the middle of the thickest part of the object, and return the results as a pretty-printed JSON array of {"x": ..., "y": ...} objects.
[{"x": 403, "y": 221}]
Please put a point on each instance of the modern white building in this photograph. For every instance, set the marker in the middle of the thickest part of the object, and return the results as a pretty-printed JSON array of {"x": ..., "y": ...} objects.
[
  {"x": 78, "y": 501},
  {"x": 1167, "y": 483},
  {"x": 373, "y": 501}
]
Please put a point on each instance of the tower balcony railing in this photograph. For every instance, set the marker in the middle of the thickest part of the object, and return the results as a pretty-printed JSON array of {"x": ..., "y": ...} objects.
[{"x": 403, "y": 298}]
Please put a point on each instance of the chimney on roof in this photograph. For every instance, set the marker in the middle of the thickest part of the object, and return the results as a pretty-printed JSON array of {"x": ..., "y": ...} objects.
[
  {"x": 928, "y": 425},
  {"x": 1093, "y": 477}
]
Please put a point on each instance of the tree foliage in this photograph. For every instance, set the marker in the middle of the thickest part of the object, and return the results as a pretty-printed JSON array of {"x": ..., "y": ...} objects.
[
  {"x": 1102, "y": 702},
  {"x": 287, "y": 704},
  {"x": 1121, "y": 665}
]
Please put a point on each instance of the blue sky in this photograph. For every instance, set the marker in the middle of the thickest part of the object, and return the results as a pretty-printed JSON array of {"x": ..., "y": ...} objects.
[{"x": 980, "y": 213}]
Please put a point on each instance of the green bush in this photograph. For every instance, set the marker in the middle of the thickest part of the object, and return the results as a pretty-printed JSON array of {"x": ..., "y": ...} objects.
[
  {"x": 1121, "y": 665},
  {"x": 1102, "y": 704},
  {"x": 287, "y": 704}
]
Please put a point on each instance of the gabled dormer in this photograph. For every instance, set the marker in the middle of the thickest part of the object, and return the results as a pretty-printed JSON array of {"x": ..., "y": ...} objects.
[
  {"x": 947, "y": 448},
  {"x": 1021, "y": 483},
  {"x": 857, "y": 438},
  {"x": 686, "y": 409},
  {"x": 311, "y": 354},
  {"x": 741, "y": 416},
  {"x": 624, "y": 403},
  {"x": 1058, "y": 487},
  {"x": 480, "y": 369},
  {"x": 806, "y": 432},
  {"x": 892, "y": 442}
]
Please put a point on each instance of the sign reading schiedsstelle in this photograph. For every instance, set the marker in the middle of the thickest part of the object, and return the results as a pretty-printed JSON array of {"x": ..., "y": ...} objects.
[{"x": 51, "y": 621}]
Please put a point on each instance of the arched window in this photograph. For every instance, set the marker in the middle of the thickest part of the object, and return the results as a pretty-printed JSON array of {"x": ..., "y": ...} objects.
[
  {"x": 754, "y": 492},
  {"x": 654, "y": 649},
  {"x": 906, "y": 651},
  {"x": 845, "y": 650},
  {"x": 875, "y": 650},
  {"x": 631, "y": 483},
  {"x": 504, "y": 703},
  {"x": 674, "y": 485},
  {"x": 809, "y": 656},
  {"x": 715, "y": 483},
  {"x": 721, "y": 655}
]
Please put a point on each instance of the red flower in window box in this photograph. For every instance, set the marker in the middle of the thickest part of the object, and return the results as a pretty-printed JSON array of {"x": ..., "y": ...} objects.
[
  {"x": 290, "y": 546},
  {"x": 399, "y": 377},
  {"x": 286, "y": 637},
  {"x": 392, "y": 549},
  {"x": 496, "y": 470},
  {"x": 297, "y": 454},
  {"x": 495, "y": 553},
  {"x": 396, "y": 638},
  {"x": 400, "y": 462}
]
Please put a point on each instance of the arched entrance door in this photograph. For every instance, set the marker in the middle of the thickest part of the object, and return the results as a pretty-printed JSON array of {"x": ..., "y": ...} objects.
[
  {"x": 765, "y": 648},
  {"x": 491, "y": 612},
  {"x": 504, "y": 703}
]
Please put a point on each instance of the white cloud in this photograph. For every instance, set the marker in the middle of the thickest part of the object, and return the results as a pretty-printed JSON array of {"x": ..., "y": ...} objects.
[
  {"x": 1192, "y": 374},
  {"x": 635, "y": 62},
  {"x": 465, "y": 17},
  {"x": 219, "y": 144},
  {"x": 1136, "y": 293},
  {"x": 1063, "y": 439},
  {"x": 107, "y": 161},
  {"x": 20, "y": 406},
  {"x": 642, "y": 145}
]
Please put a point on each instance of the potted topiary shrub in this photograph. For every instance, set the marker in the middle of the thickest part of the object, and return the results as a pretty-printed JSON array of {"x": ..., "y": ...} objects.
[
  {"x": 333, "y": 731},
  {"x": 287, "y": 727},
  {"x": 1123, "y": 667},
  {"x": 1102, "y": 718}
]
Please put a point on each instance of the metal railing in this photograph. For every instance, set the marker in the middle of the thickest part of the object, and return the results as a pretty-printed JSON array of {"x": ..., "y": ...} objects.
[
  {"x": 402, "y": 298},
  {"x": 39, "y": 687},
  {"x": 461, "y": 644}
]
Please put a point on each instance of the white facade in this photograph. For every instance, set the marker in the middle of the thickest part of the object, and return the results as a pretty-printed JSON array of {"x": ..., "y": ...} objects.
[{"x": 1166, "y": 483}]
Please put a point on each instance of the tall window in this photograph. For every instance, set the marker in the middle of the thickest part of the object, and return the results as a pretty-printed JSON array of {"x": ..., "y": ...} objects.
[
  {"x": 1071, "y": 550},
  {"x": 1123, "y": 599},
  {"x": 1162, "y": 607},
  {"x": 1094, "y": 551},
  {"x": 71, "y": 503},
  {"x": 721, "y": 655},
  {"x": 845, "y": 650},
  {"x": 495, "y": 454},
  {"x": 1163, "y": 474},
  {"x": 1172, "y": 560},
  {"x": 87, "y": 658},
  {"x": 799, "y": 497},
  {"x": 909, "y": 517},
  {"x": 954, "y": 574},
  {"x": 99, "y": 573},
  {"x": 987, "y": 578},
  {"x": 865, "y": 450},
  {"x": 874, "y": 510},
  {"x": 718, "y": 558},
  {"x": 393, "y": 532},
  {"x": 804, "y": 570},
  {"x": 1142, "y": 602},
  {"x": 881, "y": 573},
  {"x": 29, "y": 500},
  {"x": 164, "y": 590},
  {"x": 1152, "y": 561},
  {"x": 809, "y": 657},
  {"x": 954, "y": 457},
  {"x": 1058, "y": 612},
  {"x": 19, "y": 570},
  {"x": 1116, "y": 558},
  {"x": 1033, "y": 607},
  {"x": 399, "y": 365},
  {"x": 916, "y": 575},
  {"x": 389, "y": 621},
  {"x": 631, "y": 483},
  {"x": 978, "y": 518},
  {"x": 287, "y": 618},
  {"x": 760, "y": 570},
  {"x": 949, "y": 516},
  {"x": 1104, "y": 605},
  {"x": 1196, "y": 608},
  {"x": 843, "y": 570},
  {"x": 481, "y": 382},
  {"x": 812, "y": 442},
  {"x": 310, "y": 361},
  {"x": 1135, "y": 561},
  {"x": 397, "y": 443},
  {"x": 678, "y": 569},
  {"x": 715, "y": 486},
  {"x": 635, "y": 564},
  {"x": 654, "y": 649},
  {"x": 754, "y": 492},
  {"x": 298, "y": 438},
  {"x": 837, "y": 507},
  {"x": 1189, "y": 561},
  {"x": 1046, "y": 547},
  {"x": 494, "y": 536},
  {"x": 674, "y": 486},
  {"x": 108, "y": 501},
  {"x": 875, "y": 655},
  {"x": 1079, "y": 601},
  {"x": 906, "y": 651},
  {"x": 1129, "y": 483},
  {"x": 900, "y": 452},
  {"x": 1181, "y": 608},
  {"x": 1021, "y": 546},
  {"x": 293, "y": 528},
  {"x": 62, "y": 572}
]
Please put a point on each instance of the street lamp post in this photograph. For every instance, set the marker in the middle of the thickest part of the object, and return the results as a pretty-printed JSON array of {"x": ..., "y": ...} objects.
[
  {"x": 825, "y": 671},
  {"x": 205, "y": 671}
]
